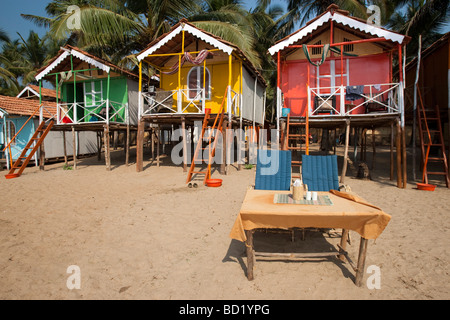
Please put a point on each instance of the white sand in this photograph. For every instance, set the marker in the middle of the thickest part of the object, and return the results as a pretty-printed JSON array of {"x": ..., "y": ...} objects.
[{"x": 147, "y": 236}]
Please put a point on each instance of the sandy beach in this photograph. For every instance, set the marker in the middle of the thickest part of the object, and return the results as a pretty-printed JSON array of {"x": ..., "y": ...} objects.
[{"x": 147, "y": 236}]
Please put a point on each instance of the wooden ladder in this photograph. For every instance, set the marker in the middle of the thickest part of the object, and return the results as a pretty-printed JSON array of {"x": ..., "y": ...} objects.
[
  {"x": 216, "y": 127},
  {"x": 21, "y": 163},
  {"x": 430, "y": 131},
  {"x": 297, "y": 139}
]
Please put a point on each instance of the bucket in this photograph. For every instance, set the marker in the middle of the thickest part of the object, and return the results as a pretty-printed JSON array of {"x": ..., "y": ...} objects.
[{"x": 285, "y": 112}]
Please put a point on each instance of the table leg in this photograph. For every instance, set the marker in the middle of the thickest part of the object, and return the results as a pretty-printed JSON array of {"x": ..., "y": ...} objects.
[
  {"x": 343, "y": 243},
  {"x": 250, "y": 254},
  {"x": 361, "y": 261}
]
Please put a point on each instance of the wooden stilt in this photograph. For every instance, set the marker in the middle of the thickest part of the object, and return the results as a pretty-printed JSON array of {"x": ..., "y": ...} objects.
[
  {"x": 184, "y": 135},
  {"x": 74, "y": 145},
  {"x": 65, "y": 148},
  {"x": 347, "y": 138},
  {"x": 152, "y": 134},
  {"x": 157, "y": 145},
  {"x": 127, "y": 146},
  {"x": 404, "y": 168},
  {"x": 392, "y": 152},
  {"x": 374, "y": 151},
  {"x": 107, "y": 147},
  {"x": 115, "y": 139},
  {"x": 140, "y": 146},
  {"x": 42, "y": 155},
  {"x": 99, "y": 145},
  {"x": 223, "y": 165},
  {"x": 399, "y": 155}
]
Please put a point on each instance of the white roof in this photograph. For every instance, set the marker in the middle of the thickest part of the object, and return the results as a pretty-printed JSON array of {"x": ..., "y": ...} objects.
[
  {"x": 194, "y": 31},
  {"x": 342, "y": 19},
  {"x": 77, "y": 54}
]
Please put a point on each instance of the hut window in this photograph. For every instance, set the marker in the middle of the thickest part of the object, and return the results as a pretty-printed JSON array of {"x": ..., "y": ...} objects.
[
  {"x": 93, "y": 93},
  {"x": 11, "y": 131},
  {"x": 317, "y": 50},
  {"x": 348, "y": 47},
  {"x": 195, "y": 82},
  {"x": 100, "y": 72}
]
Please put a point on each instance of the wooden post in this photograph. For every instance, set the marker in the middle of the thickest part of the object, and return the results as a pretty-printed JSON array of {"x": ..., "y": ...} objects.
[
  {"x": 404, "y": 168},
  {"x": 116, "y": 139},
  {"x": 392, "y": 151},
  {"x": 107, "y": 147},
  {"x": 99, "y": 145},
  {"x": 183, "y": 132},
  {"x": 250, "y": 253},
  {"x": 41, "y": 155},
  {"x": 373, "y": 148},
  {"x": 347, "y": 138},
  {"x": 157, "y": 145},
  {"x": 361, "y": 261},
  {"x": 399, "y": 155},
  {"x": 74, "y": 149},
  {"x": 223, "y": 165},
  {"x": 127, "y": 146},
  {"x": 152, "y": 139},
  {"x": 140, "y": 146},
  {"x": 65, "y": 148}
]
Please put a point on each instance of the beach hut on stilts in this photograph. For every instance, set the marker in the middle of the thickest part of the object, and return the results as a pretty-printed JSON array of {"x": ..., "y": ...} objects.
[
  {"x": 94, "y": 96},
  {"x": 337, "y": 73},
  {"x": 203, "y": 80}
]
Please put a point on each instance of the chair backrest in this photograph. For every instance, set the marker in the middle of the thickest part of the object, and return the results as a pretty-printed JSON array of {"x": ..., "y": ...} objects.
[
  {"x": 320, "y": 173},
  {"x": 273, "y": 170}
]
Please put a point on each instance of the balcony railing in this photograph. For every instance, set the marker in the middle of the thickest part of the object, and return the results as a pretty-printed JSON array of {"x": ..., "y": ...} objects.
[
  {"x": 162, "y": 102},
  {"x": 105, "y": 111},
  {"x": 332, "y": 101}
]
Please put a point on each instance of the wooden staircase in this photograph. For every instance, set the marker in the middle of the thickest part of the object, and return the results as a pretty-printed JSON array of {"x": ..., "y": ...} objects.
[
  {"x": 430, "y": 131},
  {"x": 211, "y": 144},
  {"x": 21, "y": 163},
  {"x": 297, "y": 140}
]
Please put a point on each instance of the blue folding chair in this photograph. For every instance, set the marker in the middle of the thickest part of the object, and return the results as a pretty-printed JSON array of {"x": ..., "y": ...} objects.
[
  {"x": 320, "y": 173},
  {"x": 273, "y": 170}
]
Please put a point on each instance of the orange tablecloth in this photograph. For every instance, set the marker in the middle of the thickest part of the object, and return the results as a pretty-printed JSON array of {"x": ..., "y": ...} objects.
[{"x": 347, "y": 212}]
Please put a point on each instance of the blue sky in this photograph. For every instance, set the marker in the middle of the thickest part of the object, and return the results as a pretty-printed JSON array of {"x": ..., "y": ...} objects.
[{"x": 11, "y": 22}]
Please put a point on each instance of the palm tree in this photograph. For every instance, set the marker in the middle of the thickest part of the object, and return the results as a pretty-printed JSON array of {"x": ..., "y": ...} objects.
[
  {"x": 420, "y": 17},
  {"x": 112, "y": 28}
]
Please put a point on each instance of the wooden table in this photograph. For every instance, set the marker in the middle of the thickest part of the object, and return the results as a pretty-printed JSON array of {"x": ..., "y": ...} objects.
[{"x": 347, "y": 212}]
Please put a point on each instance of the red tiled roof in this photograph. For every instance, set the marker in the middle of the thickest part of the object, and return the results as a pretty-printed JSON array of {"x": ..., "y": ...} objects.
[
  {"x": 26, "y": 107},
  {"x": 44, "y": 91}
]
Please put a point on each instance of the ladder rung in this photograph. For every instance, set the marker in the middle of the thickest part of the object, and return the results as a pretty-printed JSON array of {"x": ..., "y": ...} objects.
[
  {"x": 434, "y": 158},
  {"x": 296, "y": 162},
  {"x": 296, "y": 148},
  {"x": 296, "y": 135},
  {"x": 438, "y": 173},
  {"x": 297, "y": 123}
]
